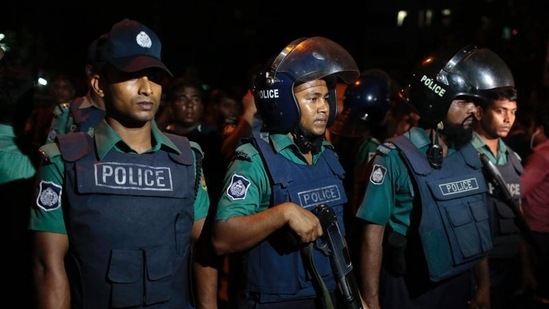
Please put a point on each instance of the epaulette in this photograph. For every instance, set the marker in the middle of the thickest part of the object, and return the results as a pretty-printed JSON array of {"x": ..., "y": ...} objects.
[
  {"x": 385, "y": 148},
  {"x": 49, "y": 151},
  {"x": 197, "y": 147},
  {"x": 241, "y": 155},
  {"x": 61, "y": 109}
]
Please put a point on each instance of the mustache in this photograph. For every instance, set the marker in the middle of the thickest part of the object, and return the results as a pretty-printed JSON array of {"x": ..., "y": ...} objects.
[{"x": 472, "y": 117}]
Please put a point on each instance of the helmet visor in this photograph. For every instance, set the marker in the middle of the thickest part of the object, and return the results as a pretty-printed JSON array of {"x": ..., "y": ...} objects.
[{"x": 307, "y": 59}]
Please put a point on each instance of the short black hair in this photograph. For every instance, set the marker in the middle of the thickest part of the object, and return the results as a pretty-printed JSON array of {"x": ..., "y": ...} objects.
[{"x": 489, "y": 96}]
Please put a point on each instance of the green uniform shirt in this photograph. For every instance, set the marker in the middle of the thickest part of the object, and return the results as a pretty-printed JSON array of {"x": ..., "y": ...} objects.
[
  {"x": 106, "y": 139},
  {"x": 481, "y": 146},
  {"x": 247, "y": 176},
  {"x": 15, "y": 164},
  {"x": 366, "y": 150},
  {"x": 389, "y": 200},
  {"x": 63, "y": 121}
]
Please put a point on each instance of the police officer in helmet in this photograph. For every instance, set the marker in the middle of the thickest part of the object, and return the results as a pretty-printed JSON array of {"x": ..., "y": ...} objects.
[
  {"x": 425, "y": 223},
  {"x": 360, "y": 127},
  {"x": 274, "y": 180}
]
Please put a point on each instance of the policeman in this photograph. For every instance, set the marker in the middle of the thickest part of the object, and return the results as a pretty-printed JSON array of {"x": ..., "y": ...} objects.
[
  {"x": 118, "y": 212},
  {"x": 359, "y": 128},
  {"x": 509, "y": 262},
  {"x": 84, "y": 113},
  {"x": 425, "y": 222},
  {"x": 275, "y": 180}
]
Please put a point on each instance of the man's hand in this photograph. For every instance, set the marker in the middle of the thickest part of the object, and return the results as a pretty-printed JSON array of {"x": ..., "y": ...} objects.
[{"x": 303, "y": 222}]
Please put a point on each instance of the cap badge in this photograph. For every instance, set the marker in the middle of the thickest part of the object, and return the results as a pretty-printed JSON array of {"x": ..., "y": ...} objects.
[{"x": 143, "y": 40}]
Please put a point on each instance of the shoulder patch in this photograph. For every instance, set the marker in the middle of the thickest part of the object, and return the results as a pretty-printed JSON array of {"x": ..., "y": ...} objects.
[
  {"x": 238, "y": 188},
  {"x": 378, "y": 174},
  {"x": 49, "y": 196}
]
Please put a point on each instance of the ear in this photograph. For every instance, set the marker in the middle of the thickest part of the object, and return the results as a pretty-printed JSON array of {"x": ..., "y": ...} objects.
[
  {"x": 478, "y": 113},
  {"x": 96, "y": 85}
]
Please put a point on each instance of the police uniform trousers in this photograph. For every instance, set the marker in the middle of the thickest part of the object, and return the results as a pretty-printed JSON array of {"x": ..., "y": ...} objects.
[{"x": 451, "y": 293}]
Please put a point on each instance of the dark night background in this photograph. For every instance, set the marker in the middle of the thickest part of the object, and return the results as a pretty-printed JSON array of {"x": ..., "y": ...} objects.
[{"x": 220, "y": 40}]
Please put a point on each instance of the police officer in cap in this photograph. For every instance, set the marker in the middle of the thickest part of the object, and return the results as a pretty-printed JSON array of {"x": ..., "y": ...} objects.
[
  {"x": 274, "y": 180},
  {"x": 119, "y": 212}
]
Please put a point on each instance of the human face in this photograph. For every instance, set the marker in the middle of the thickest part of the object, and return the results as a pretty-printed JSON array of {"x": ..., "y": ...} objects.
[
  {"x": 229, "y": 108},
  {"x": 132, "y": 99},
  {"x": 497, "y": 119},
  {"x": 458, "y": 125},
  {"x": 461, "y": 112},
  {"x": 312, "y": 98},
  {"x": 187, "y": 106},
  {"x": 62, "y": 89}
]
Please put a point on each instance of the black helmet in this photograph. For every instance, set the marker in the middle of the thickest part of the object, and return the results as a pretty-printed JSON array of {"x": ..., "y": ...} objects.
[
  {"x": 303, "y": 60},
  {"x": 440, "y": 79},
  {"x": 365, "y": 103}
]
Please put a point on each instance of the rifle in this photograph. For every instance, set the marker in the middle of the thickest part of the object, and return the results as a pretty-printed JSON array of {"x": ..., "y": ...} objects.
[
  {"x": 333, "y": 245},
  {"x": 497, "y": 181}
]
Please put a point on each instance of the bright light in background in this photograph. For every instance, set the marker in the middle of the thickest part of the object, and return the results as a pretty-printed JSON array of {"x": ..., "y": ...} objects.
[
  {"x": 42, "y": 81},
  {"x": 428, "y": 17},
  {"x": 400, "y": 17},
  {"x": 446, "y": 17},
  {"x": 3, "y": 45}
]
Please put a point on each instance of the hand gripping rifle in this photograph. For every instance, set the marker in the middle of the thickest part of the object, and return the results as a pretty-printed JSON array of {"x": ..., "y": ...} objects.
[
  {"x": 333, "y": 245},
  {"x": 497, "y": 181}
]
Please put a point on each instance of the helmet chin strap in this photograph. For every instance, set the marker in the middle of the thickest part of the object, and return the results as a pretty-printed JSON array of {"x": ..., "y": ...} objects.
[
  {"x": 307, "y": 142},
  {"x": 434, "y": 153}
]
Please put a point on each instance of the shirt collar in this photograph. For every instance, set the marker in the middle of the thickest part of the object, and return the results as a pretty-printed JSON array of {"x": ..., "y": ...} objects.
[
  {"x": 479, "y": 142},
  {"x": 419, "y": 136},
  {"x": 282, "y": 141},
  {"x": 87, "y": 101},
  {"x": 106, "y": 139}
]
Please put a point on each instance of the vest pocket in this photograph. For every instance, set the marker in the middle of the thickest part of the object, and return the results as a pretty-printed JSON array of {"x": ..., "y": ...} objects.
[
  {"x": 159, "y": 266},
  {"x": 126, "y": 276},
  {"x": 138, "y": 275},
  {"x": 469, "y": 230},
  {"x": 505, "y": 219}
]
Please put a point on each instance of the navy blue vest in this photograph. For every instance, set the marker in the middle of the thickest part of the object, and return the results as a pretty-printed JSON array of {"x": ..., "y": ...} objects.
[
  {"x": 454, "y": 226},
  {"x": 129, "y": 219},
  {"x": 276, "y": 269},
  {"x": 505, "y": 234}
]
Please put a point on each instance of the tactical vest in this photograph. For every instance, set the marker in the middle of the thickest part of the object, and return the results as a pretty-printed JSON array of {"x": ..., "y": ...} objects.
[
  {"x": 276, "y": 269},
  {"x": 454, "y": 226},
  {"x": 505, "y": 233},
  {"x": 129, "y": 220}
]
